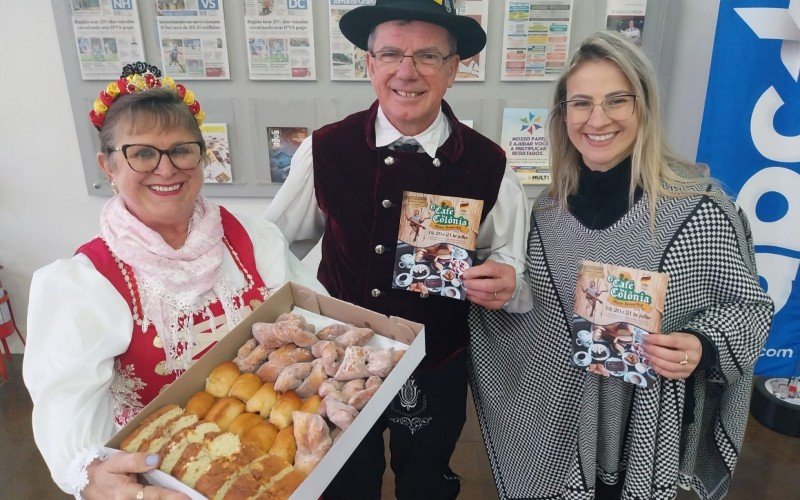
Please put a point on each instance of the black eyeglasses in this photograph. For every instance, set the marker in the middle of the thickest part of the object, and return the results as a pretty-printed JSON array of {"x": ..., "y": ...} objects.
[
  {"x": 616, "y": 107},
  {"x": 427, "y": 63},
  {"x": 144, "y": 158}
]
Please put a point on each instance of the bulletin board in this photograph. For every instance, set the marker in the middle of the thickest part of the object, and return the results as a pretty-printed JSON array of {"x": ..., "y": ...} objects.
[{"x": 248, "y": 106}]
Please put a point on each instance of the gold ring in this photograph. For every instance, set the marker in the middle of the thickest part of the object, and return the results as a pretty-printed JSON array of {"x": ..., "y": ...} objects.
[
  {"x": 140, "y": 495},
  {"x": 685, "y": 359}
]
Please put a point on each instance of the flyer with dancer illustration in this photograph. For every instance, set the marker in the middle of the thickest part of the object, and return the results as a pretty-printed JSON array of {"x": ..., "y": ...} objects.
[
  {"x": 436, "y": 243},
  {"x": 615, "y": 308}
]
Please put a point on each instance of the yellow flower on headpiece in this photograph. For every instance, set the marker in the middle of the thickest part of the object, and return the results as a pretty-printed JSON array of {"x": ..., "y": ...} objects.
[
  {"x": 188, "y": 97},
  {"x": 99, "y": 107},
  {"x": 138, "y": 81},
  {"x": 112, "y": 89},
  {"x": 200, "y": 116},
  {"x": 168, "y": 82}
]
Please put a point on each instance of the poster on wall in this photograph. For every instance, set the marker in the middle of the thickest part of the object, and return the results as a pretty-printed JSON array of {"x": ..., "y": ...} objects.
[
  {"x": 217, "y": 169},
  {"x": 535, "y": 39},
  {"x": 282, "y": 143},
  {"x": 192, "y": 40},
  {"x": 348, "y": 62},
  {"x": 525, "y": 142},
  {"x": 473, "y": 69},
  {"x": 108, "y": 35},
  {"x": 280, "y": 39},
  {"x": 749, "y": 141},
  {"x": 627, "y": 18}
]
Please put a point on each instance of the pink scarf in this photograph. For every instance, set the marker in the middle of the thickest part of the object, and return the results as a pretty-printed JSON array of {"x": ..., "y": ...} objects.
[{"x": 174, "y": 284}]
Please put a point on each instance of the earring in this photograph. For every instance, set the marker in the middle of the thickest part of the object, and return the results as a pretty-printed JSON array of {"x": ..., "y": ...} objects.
[{"x": 114, "y": 188}]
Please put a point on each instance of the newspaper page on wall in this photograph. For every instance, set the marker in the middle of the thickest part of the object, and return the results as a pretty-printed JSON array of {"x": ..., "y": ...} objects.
[
  {"x": 280, "y": 39},
  {"x": 535, "y": 39},
  {"x": 217, "y": 169},
  {"x": 473, "y": 69},
  {"x": 108, "y": 35},
  {"x": 524, "y": 140},
  {"x": 192, "y": 41},
  {"x": 627, "y": 18},
  {"x": 348, "y": 62}
]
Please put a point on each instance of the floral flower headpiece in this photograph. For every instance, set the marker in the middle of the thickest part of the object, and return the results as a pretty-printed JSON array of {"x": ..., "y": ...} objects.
[{"x": 137, "y": 77}]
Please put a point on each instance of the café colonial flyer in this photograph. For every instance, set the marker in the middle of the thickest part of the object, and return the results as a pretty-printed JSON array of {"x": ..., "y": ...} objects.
[
  {"x": 436, "y": 243},
  {"x": 615, "y": 308}
]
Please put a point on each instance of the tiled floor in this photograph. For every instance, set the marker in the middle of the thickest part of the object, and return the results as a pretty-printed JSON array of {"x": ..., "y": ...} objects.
[{"x": 768, "y": 469}]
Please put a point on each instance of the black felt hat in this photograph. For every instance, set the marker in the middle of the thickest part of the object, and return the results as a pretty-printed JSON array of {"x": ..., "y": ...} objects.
[{"x": 357, "y": 24}]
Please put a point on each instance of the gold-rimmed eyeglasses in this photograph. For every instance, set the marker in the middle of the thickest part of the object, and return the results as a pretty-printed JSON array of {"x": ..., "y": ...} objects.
[
  {"x": 144, "y": 158},
  {"x": 426, "y": 63},
  {"x": 616, "y": 107}
]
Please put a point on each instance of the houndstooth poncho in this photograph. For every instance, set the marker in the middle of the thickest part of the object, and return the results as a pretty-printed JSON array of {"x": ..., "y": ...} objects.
[{"x": 551, "y": 428}]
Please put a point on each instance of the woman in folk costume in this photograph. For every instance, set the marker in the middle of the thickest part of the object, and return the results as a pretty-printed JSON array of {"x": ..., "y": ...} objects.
[
  {"x": 556, "y": 430},
  {"x": 170, "y": 274}
]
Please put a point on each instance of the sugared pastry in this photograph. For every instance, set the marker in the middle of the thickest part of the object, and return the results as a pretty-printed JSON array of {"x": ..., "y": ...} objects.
[
  {"x": 310, "y": 385},
  {"x": 292, "y": 376},
  {"x": 280, "y": 359},
  {"x": 354, "y": 364},
  {"x": 313, "y": 440}
]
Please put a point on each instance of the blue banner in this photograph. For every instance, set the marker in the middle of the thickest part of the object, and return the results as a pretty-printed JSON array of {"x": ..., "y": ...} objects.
[{"x": 751, "y": 140}]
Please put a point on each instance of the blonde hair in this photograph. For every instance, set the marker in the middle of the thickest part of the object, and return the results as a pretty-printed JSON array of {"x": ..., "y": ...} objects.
[{"x": 653, "y": 166}]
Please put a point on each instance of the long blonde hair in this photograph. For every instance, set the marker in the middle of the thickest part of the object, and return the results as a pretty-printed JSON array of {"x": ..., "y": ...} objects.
[{"x": 653, "y": 166}]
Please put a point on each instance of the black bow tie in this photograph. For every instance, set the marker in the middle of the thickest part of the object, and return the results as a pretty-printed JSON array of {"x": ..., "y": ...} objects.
[{"x": 406, "y": 147}]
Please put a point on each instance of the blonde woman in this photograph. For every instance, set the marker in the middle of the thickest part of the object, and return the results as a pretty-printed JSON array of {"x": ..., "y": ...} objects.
[{"x": 555, "y": 430}]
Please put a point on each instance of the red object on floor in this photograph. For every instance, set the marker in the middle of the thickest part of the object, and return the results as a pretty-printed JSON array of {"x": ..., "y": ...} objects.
[{"x": 7, "y": 328}]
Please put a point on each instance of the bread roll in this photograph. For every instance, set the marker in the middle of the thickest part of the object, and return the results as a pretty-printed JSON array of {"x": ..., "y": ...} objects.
[
  {"x": 260, "y": 436},
  {"x": 221, "y": 378},
  {"x": 224, "y": 411},
  {"x": 245, "y": 386},
  {"x": 284, "y": 445},
  {"x": 263, "y": 400},
  {"x": 311, "y": 404},
  {"x": 149, "y": 425},
  {"x": 243, "y": 423},
  {"x": 281, "y": 414},
  {"x": 200, "y": 403}
]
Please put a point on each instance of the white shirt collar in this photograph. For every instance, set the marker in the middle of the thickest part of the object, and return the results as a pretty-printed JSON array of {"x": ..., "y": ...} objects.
[{"x": 430, "y": 139}]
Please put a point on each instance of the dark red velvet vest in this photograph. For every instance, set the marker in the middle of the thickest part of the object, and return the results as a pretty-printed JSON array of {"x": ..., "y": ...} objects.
[
  {"x": 142, "y": 364},
  {"x": 359, "y": 187}
]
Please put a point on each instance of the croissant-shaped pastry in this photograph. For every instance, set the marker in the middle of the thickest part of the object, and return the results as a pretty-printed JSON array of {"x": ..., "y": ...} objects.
[
  {"x": 280, "y": 359},
  {"x": 332, "y": 387},
  {"x": 360, "y": 399},
  {"x": 251, "y": 362},
  {"x": 331, "y": 355},
  {"x": 354, "y": 336},
  {"x": 265, "y": 334},
  {"x": 330, "y": 332},
  {"x": 354, "y": 364},
  {"x": 311, "y": 384},
  {"x": 292, "y": 376}
]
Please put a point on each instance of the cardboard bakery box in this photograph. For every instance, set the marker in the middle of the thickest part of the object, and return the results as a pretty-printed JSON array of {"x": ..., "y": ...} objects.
[{"x": 289, "y": 296}]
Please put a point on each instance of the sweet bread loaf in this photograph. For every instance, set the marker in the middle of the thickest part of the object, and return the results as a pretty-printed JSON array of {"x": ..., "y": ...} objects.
[
  {"x": 221, "y": 378},
  {"x": 260, "y": 436},
  {"x": 263, "y": 400},
  {"x": 200, "y": 403},
  {"x": 164, "y": 433},
  {"x": 255, "y": 479},
  {"x": 224, "y": 411},
  {"x": 172, "y": 451},
  {"x": 284, "y": 445},
  {"x": 245, "y": 386},
  {"x": 281, "y": 414},
  {"x": 244, "y": 423}
]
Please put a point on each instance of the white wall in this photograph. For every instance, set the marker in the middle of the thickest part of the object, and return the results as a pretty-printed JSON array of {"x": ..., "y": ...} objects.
[{"x": 45, "y": 212}]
